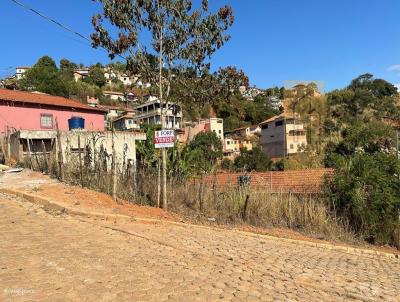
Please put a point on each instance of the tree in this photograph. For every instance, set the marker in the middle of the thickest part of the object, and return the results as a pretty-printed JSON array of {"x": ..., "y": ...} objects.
[
  {"x": 67, "y": 69},
  {"x": 178, "y": 34},
  {"x": 253, "y": 160},
  {"x": 44, "y": 77},
  {"x": 365, "y": 187},
  {"x": 364, "y": 99},
  {"x": 96, "y": 76},
  {"x": 227, "y": 164},
  {"x": 203, "y": 152}
]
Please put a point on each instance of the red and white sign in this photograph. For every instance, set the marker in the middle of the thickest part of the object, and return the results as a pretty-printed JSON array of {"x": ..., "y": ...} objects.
[{"x": 164, "y": 139}]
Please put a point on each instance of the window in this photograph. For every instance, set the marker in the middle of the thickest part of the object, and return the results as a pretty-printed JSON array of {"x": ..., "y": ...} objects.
[
  {"x": 291, "y": 146},
  {"x": 219, "y": 131},
  {"x": 264, "y": 126},
  {"x": 278, "y": 123},
  {"x": 46, "y": 121}
]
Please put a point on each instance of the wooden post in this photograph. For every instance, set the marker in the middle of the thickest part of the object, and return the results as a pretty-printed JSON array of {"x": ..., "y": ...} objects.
[
  {"x": 215, "y": 191},
  {"x": 246, "y": 203},
  {"x": 201, "y": 191},
  {"x": 80, "y": 160},
  {"x": 46, "y": 163},
  {"x": 29, "y": 154},
  {"x": 270, "y": 182},
  {"x": 134, "y": 180},
  {"x": 8, "y": 147},
  {"x": 114, "y": 162},
  {"x": 59, "y": 154},
  {"x": 158, "y": 183},
  {"x": 290, "y": 209},
  {"x": 36, "y": 158},
  {"x": 164, "y": 179}
]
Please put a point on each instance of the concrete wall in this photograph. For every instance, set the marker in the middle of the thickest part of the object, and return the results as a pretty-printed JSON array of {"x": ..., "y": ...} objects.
[
  {"x": 19, "y": 117},
  {"x": 125, "y": 143}
]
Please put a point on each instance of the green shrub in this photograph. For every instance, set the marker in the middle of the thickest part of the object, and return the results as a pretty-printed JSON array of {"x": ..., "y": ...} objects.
[{"x": 365, "y": 187}]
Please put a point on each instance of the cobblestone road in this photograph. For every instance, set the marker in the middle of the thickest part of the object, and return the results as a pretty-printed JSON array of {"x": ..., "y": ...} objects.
[{"x": 45, "y": 256}]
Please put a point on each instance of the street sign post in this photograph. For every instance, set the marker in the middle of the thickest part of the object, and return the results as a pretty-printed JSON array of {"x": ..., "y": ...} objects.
[{"x": 164, "y": 139}]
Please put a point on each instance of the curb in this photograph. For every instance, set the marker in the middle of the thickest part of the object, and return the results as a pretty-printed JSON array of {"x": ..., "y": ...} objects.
[{"x": 50, "y": 203}]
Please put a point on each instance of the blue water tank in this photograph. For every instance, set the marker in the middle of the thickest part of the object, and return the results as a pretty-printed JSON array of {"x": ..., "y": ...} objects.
[{"x": 76, "y": 122}]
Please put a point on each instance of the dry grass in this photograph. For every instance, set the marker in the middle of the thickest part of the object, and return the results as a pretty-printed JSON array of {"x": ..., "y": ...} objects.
[{"x": 306, "y": 213}]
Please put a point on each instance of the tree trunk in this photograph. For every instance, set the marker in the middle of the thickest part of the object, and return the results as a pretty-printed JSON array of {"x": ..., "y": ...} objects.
[{"x": 163, "y": 151}]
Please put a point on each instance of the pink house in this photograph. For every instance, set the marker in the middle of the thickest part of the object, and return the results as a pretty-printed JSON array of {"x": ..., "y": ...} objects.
[{"x": 34, "y": 111}]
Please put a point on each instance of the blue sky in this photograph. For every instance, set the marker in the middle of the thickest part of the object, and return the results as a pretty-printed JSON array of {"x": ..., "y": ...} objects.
[{"x": 273, "y": 41}]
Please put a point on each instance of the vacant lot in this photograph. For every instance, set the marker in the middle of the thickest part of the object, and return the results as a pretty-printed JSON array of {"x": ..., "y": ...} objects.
[{"x": 49, "y": 256}]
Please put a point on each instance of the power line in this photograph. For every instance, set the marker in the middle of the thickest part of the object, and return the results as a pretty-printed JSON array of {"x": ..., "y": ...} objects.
[
  {"x": 59, "y": 24},
  {"x": 51, "y": 20}
]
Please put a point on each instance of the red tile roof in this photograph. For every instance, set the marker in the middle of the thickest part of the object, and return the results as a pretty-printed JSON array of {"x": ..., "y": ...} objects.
[
  {"x": 43, "y": 99},
  {"x": 280, "y": 116}
]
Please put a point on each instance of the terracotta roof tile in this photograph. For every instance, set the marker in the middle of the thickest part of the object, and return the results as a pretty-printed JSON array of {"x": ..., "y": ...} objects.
[{"x": 43, "y": 99}]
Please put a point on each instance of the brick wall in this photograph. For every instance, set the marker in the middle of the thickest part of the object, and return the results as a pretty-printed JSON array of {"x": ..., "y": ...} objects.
[{"x": 296, "y": 181}]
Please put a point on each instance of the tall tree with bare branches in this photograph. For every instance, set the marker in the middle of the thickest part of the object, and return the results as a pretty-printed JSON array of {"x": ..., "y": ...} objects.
[{"x": 173, "y": 30}]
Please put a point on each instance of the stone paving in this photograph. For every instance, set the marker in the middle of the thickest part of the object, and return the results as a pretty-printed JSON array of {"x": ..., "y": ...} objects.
[{"x": 50, "y": 256}]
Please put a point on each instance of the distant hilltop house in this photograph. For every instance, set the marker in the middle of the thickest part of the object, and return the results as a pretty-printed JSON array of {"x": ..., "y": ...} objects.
[
  {"x": 275, "y": 102},
  {"x": 115, "y": 95},
  {"x": 20, "y": 72},
  {"x": 33, "y": 111},
  {"x": 250, "y": 92},
  {"x": 112, "y": 75},
  {"x": 121, "y": 96},
  {"x": 282, "y": 135},
  {"x": 80, "y": 74},
  {"x": 302, "y": 89}
]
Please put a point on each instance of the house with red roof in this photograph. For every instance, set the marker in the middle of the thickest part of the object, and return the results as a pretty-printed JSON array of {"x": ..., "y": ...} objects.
[{"x": 21, "y": 110}]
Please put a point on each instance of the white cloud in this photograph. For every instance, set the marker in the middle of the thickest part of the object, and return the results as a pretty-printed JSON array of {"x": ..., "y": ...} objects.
[
  {"x": 398, "y": 86},
  {"x": 395, "y": 67}
]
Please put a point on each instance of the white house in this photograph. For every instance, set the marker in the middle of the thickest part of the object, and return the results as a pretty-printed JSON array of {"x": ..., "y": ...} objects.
[
  {"x": 150, "y": 113},
  {"x": 127, "y": 80},
  {"x": 20, "y": 71},
  {"x": 80, "y": 74}
]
